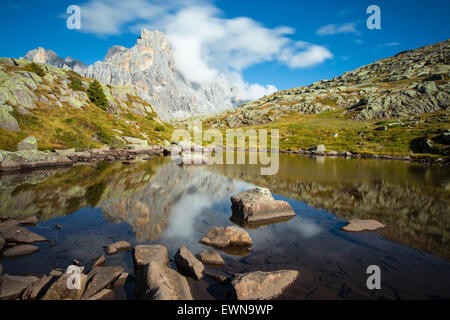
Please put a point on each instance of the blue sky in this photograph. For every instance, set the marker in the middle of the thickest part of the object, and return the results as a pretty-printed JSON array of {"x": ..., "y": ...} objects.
[{"x": 404, "y": 25}]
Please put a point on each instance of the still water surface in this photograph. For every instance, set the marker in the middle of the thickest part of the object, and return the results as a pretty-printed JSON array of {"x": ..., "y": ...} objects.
[{"x": 157, "y": 202}]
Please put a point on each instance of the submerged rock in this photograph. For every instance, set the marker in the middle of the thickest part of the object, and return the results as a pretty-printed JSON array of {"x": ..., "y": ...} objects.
[
  {"x": 357, "y": 225},
  {"x": 263, "y": 285},
  {"x": 189, "y": 264},
  {"x": 118, "y": 246},
  {"x": 258, "y": 205},
  {"x": 100, "y": 262},
  {"x": 20, "y": 250},
  {"x": 158, "y": 282},
  {"x": 226, "y": 237},
  {"x": 2, "y": 243},
  {"x": 211, "y": 257},
  {"x": 12, "y": 232}
]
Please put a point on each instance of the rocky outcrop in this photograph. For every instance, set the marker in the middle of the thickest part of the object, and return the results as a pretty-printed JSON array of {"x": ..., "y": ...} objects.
[
  {"x": 409, "y": 84},
  {"x": 187, "y": 263},
  {"x": 40, "y": 55},
  {"x": 258, "y": 205},
  {"x": 357, "y": 225},
  {"x": 149, "y": 66},
  {"x": 31, "y": 159},
  {"x": 227, "y": 237},
  {"x": 263, "y": 285}
]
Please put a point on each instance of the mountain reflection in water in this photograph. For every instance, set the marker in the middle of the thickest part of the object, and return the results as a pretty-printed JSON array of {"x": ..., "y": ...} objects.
[{"x": 163, "y": 203}]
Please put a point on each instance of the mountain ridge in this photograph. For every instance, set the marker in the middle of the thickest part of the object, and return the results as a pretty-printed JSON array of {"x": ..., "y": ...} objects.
[{"x": 149, "y": 66}]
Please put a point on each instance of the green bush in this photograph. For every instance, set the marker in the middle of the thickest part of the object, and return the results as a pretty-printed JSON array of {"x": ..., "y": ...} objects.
[
  {"x": 34, "y": 67},
  {"x": 96, "y": 95}
]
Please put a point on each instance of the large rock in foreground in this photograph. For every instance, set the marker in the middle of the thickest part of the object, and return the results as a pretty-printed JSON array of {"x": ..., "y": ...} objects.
[
  {"x": 155, "y": 280},
  {"x": 144, "y": 254},
  {"x": 263, "y": 285},
  {"x": 60, "y": 290},
  {"x": 357, "y": 225},
  {"x": 11, "y": 287},
  {"x": 158, "y": 282},
  {"x": 186, "y": 262},
  {"x": 258, "y": 205},
  {"x": 227, "y": 237}
]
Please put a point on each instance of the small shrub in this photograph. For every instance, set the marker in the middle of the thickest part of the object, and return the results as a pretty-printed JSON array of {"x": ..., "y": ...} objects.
[
  {"x": 34, "y": 67},
  {"x": 96, "y": 95}
]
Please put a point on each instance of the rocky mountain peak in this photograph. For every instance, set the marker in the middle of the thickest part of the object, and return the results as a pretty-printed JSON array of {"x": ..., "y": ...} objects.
[{"x": 149, "y": 67}]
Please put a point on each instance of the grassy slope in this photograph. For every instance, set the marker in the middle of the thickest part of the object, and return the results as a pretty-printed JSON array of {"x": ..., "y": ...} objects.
[
  {"x": 305, "y": 131},
  {"x": 87, "y": 127}
]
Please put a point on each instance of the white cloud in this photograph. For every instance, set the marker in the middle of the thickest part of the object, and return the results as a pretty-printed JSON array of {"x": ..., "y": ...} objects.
[
  {"x": 389, "y": 44},
  {"x": 206, "y": 44},
  {"x": 333, "y": 29}
]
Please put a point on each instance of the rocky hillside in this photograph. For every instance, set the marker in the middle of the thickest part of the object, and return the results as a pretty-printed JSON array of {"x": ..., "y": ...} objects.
[
  {"x": 409, "y": 84},
  {"x": 150, "y": 68},
  {"x": 397, "y": 105},
  {"x": 61, "y": 110}
]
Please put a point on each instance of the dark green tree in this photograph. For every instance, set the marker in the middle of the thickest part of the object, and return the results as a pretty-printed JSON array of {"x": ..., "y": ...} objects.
[{"x": 96, "y": 95}]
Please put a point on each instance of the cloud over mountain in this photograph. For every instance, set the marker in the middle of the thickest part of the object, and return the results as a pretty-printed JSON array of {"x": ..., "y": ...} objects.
[{"x": 206, "y": 44}]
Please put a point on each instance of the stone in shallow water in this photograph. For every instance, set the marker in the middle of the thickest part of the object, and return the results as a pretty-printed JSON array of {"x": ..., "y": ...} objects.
[
  {"x": 211, "y": 257},
  {"x": 144, "y": 254},
  {"x": 357, "y": 225},
  {"x": 189, "y": 264},
  {"x": 263, "y": 285},
  {"x": 118, "y": 246},
  {"x": 226, "y": 237},
  {"x": 258, "y": 205},
  {"x": 11, "y": 287},
  {"x": 100, "y": 262},
  {"x": 20, "y": 250},
  {"x": 12, "y": 232}
]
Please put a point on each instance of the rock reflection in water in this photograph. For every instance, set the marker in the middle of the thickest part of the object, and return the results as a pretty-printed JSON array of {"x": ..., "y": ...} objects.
[{"x": 412, "y": 200}]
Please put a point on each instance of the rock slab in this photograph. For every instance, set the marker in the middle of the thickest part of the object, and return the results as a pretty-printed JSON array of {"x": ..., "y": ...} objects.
[
  {"x": 261, "y": 285},
  {"x": 357, "y": 225},
  {"x": 187, "y": 263}
]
